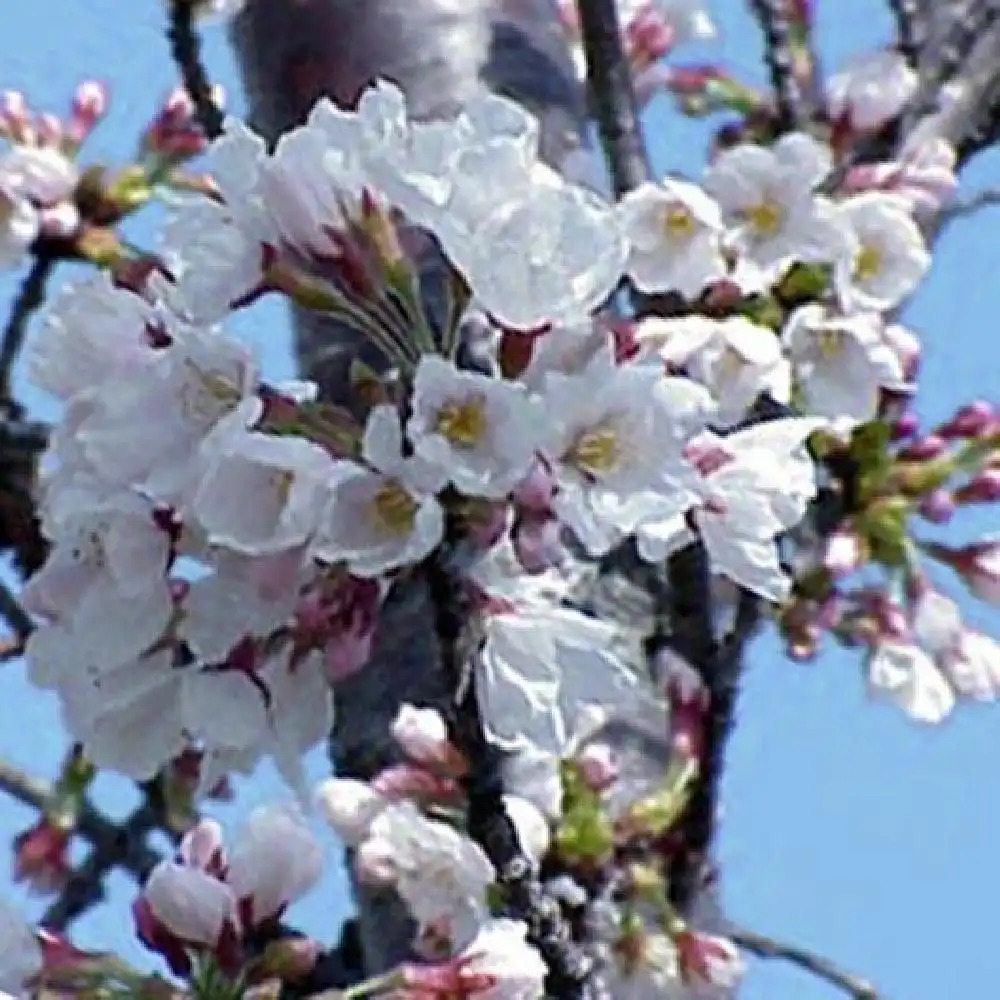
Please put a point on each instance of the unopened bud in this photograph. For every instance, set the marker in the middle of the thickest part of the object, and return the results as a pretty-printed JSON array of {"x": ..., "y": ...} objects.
[
  {"x": 984, "y": 487},
  {"x": 598, "y": 766},
  {"x": 970, "y": 421},
  {"x": 938, "y": 506}
]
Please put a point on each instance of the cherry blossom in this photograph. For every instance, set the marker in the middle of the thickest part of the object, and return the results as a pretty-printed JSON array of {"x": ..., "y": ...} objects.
[
  {"x": 483, "y": 430},
  {"x": 890, "y": 259},
  {"x": 674, "y": 231},
  {"x": 768, "y": 197},
  {"x": 384, "y": 518}
]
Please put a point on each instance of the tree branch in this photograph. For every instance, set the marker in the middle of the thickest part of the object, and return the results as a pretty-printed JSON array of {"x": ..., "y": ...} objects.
[
  {"x": 16, "y": 617},
  {"x": 790, "y": 102},
  {"x": 609, "y": 80},
  {"x": 458, "y": 626},
  {"x": 29, "y": 298},
  {"x": 104, "y": 835},
  {"x": 765, "y": 947},
  {"x": 119, "y": 847},
  {"x": 185, "y": 47},
  {"x": 911, "y": 28}
]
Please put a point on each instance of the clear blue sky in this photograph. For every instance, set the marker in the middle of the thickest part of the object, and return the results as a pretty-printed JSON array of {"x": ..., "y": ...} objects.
[{"x": 847, "y": 829}]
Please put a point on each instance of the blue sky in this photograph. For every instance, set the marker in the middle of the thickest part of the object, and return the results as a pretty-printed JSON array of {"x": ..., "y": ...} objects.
[{"x": 846, "y": 829}]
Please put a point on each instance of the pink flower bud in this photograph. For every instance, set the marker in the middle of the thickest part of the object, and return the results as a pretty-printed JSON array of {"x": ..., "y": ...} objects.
[
  {"x": 844, "y": 553},
  {"x": 41, "y": 856},
  {"x": 90, "y": 102},
  {"x": 423, "y": 736},
  {"x": 49, "y": 129},
  {"x": 705, "y": 958},
  {"x": 938, "y": 506},
  {"x": 924, "y": 449},
  {"x": 536, "y": 490},
  {"x": 598, "y": 766},
  {"x": 410, "y": 781},
  {"x": 970, "y": 421},
  {"x": 984, "y": 487},
  {"x": 906, "y": 425}
]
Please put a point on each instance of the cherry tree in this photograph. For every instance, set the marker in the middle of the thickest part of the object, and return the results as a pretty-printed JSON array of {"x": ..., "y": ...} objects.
[{"x": 563, "y": 443}]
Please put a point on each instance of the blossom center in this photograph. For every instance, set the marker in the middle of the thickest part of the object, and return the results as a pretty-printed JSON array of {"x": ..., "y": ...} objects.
[
  {"x": 679, "y": 222},
  {"x": 868, "y": 263},
  {"x": 208, "y": 395},
  {"x": 596, "y": 450},
  {"x": 463, "y": 423},
  {"x": 766, "y": 217},
  {"x": 394, "y": 508},
  {"x": 831, "y": 343}
]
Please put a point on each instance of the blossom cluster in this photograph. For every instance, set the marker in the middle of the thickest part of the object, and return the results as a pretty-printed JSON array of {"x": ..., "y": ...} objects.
[{"x": 221, "y": 547}]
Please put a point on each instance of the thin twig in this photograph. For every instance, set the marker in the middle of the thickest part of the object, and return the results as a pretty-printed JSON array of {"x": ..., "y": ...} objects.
[
  {"x": 102, "y": 833},
  {"x": 126, "y": 849},
  {"x": 185, "y": 47},
  {"x": 609, "y": 80},
  {"x": 16, "y": 617},
  {"x": 911, "y": 28},
  {"x": 765, "y": 947},
  {"x": 789, "y": 100},
  {"x": 29, "y": 298}
]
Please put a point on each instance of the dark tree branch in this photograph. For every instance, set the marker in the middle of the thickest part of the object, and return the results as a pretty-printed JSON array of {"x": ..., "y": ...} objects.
[
  {"x": 765, "y": 947},
  {"x": 458, "y": 626},
  {"x": 790, "y": 103},
  {"x": 114, "y": 845},
  {"x": 121, "y": 846},
  {"x": 911, "y": 28},
  {"x": 29, "y": 298},
  {"x": 609, "y": 79},
  {"x": 185, "y": 47},
  {"x": 16, "y": 617}
]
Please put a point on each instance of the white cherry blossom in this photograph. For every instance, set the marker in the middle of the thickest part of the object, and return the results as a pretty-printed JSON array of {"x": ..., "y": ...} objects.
[
  {"x": 148, "y": 432},
  {"x": 482, "y": 430},
  {"x": 872, "y": 89},
  {"x": 614, "y": 438},
  {"x": 350, "y": 807},
  {"x": 889, "y": 258},
  {"x": 767, "y": 196},
  {"x": 542, "y": 669},
  {"x": 91, "y": 333},
  {"x": 674, "y": 230},
  {"x": 840, "y": 363},
  {"x": 387, "y": 516},
  {"x": 216, "y": 249},
  {"x": 753, "y": 485},
  {"x": 903, "y": 672},
  {"x": 542, "y": 251},
  {"x": 734, "y": 358},
  {"x": 441, "y": 874},
  {"x": 501, "y": 957},
  {"x": 287, "y": 477},
  {"x": 275, "y": 860}
]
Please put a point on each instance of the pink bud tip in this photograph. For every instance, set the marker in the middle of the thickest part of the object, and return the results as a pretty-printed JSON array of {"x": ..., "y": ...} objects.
[{"x": 938, "y": 506}]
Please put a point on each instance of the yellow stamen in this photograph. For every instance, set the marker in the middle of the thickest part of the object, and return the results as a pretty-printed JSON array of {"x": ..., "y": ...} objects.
[
  {"x": 766, "y": 217},
  {"x": 463, "y": 423},
  {"x": 831, "y": 343},
  {"x": 394, "y": 508},
  {"x": 596, "y": 450},
  {"x": 868, "y": 263},
  {"x": 679, "y": 222}
]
